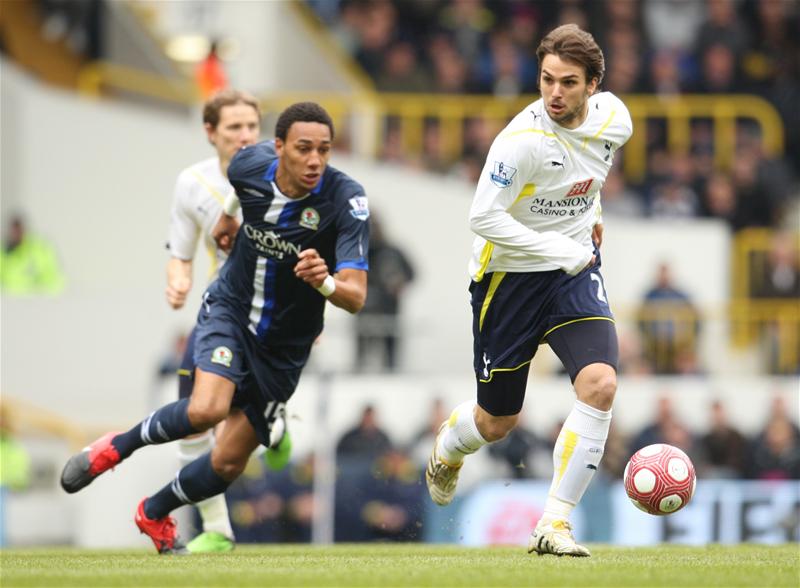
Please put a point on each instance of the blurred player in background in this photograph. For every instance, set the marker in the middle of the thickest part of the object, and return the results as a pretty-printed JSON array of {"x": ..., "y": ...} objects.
[
  {"x": 232, "y": 120},
  {"x": 536, "y": 278},
  {"x": 259, "y": 319}
]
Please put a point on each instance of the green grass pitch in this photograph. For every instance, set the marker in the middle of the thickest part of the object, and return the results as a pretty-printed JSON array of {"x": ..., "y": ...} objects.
[{"x": 388, "y": 565}]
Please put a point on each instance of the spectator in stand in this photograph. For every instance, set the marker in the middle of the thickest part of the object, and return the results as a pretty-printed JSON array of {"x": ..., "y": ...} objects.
[
  {"x": 780, "y": 275},
  {"x": 719, "y": 200},
  {"x": 377, "y": 27},
  {"x": 395, "y": 504},
  {"x": 665, "y": 78},
  {"x": 723, "y": 447},
  {"x": 664, "y": 428},
  {"x": 28, "y": 263},
  {"x": 504, "y": 71},
  {"x": 401, "y": 71},
  {"x": 669, "y": 324},
  {"x": 618, "y": 198},
  {"x": 449, "y": 67},
  {"x": 378, "y": 325},
  {"x": 673, "y": 24},
  {"x": 467, "y": 22},
  {"x": 210, "y": 74},
  {"x": 718, "y": 68},
  {"x": 366, "y": 439},
  {"x": 723, "y": 26},
  {"x": 775, "y": 453}
]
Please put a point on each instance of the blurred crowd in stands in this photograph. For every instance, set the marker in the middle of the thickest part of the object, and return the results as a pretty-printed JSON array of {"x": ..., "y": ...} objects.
[
  {"x": 380, "y": 489},
  {"x": 657, "y": 47}
]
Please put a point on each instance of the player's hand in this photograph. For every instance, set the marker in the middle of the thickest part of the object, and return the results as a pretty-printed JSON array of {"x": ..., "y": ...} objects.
[
  {"x": 177, "y": 290},
  {"x": 311, "y": 268},
  {"x": 597, "y": 235},
  {"x": 224, "y": 232}
]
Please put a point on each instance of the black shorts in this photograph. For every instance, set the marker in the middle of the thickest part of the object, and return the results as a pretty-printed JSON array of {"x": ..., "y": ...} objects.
[
  {"x": 513, "y": 313},
  {"x": 265, "y": 376}
]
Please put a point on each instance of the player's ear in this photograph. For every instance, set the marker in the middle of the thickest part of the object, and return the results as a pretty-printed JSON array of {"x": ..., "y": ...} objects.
[
  {"x": 210, "y": 131},
  {"x": 278, "y": 146},
  {"x": 591, "y": 87}
]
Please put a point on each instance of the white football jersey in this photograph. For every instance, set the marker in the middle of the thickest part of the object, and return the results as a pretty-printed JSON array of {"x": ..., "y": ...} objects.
[
  {"x": 196, "y": 207},
  {"x": 538, "y": 196}
]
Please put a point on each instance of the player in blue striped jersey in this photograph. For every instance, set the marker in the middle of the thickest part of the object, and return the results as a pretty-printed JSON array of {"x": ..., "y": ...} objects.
[{"x": 303, "y": 240}]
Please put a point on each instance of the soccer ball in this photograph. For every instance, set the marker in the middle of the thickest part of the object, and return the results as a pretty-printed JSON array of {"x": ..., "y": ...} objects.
[{"x": 660, "y": 479}]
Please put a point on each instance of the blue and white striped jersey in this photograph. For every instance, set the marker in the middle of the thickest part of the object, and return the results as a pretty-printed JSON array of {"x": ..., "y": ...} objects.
[{"x": 258, "y": 280}]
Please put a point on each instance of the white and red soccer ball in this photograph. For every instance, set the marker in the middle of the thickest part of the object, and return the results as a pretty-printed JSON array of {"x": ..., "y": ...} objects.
[{"x": 660, "y": 479}]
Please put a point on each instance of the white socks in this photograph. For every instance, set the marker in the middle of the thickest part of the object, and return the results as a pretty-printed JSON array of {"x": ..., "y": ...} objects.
[
  {"x": 461, "y": 437},
  {"x": 576, "y": 455},
  {"x": 214, "y": 510}
]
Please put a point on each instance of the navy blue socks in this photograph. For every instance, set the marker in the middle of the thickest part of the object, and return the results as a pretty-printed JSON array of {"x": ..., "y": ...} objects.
[
  {"x": 194, "y": 483},
  {"x": 168, "y": 423}
]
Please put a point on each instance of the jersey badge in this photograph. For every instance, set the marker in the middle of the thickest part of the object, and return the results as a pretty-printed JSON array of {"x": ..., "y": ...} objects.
[
  {"x": 360, "y": 207},
  {"x": 580, "y": 188},
  {"x": 503, "y": 175},
  {"x": 309, "y": 219},
  {"x": 222, "y": 356}
]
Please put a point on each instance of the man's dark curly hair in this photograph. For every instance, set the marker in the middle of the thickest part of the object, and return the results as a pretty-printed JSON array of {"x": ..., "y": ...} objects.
[{"x": 302, "y": 112}]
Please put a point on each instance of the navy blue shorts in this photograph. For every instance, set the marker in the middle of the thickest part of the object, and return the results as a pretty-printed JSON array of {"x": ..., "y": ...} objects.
[
  {"x": 265, "y": 376},
  {"x": 513, "y": 313}
]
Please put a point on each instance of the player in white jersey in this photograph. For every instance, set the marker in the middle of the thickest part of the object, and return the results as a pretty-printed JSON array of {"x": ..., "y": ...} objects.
[
  {"x": 536, "y": 279},
  {"x": 232, "y": 120}
]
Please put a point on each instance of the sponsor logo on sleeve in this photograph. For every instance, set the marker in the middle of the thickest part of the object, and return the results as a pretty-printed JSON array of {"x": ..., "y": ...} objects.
[
  {"x": 222, "y": 356},
  {"x": 360, "y": 207},
  {"x": 309, "y": 219},
  {"x": 502, "y": 175}
]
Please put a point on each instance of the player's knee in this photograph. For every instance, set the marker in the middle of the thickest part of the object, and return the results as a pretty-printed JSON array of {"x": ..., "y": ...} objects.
[
  {"x": 495, "y": 428},
  {"x": 226, "y": 466},
  {"x": 597, "y": 386},
  {"x": 206, "y": 413}
]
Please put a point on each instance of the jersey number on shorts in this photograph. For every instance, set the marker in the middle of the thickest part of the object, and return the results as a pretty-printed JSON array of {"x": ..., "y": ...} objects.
[
  {"x": 601, "y": 289},
  {"x": 273, "y": 410}
]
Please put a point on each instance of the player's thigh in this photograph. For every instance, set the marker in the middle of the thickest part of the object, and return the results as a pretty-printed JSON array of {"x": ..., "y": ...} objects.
[
  {"x": 220, "y": 359},
  {"x": 211, "y": 396},
  {"x": 583, "y": 342},
  {"x": 235, "y": 443}
]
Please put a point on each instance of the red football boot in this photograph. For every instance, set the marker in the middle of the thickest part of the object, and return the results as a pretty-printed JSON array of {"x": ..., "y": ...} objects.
[
  {"x": 83, "y": 468},
  {"x": 163, "y": 532}
]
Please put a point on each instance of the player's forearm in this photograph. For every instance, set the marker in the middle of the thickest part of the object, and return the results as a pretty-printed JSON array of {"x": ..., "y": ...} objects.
[
  {"x": 179, "y": 281},
  {"x": 500, "y": 228},
  {"x": 348, "y": 295},
  {"x": 179, "y": 270}
]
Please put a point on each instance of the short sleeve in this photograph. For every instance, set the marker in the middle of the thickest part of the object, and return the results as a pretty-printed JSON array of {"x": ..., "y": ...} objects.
[
  {"x": 352, "y": 240},
  {"x": 184, "y": 226}
]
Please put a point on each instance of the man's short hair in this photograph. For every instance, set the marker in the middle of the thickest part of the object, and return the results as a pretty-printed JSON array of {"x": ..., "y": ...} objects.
[
  {"x": 571, "y": 43},
  {"x": 302, "y": 112},
  {"x": 223, "y": 98}
]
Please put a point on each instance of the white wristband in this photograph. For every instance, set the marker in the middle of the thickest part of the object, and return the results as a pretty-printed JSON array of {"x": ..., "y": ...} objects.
[
  {"x": 328, "y": 286},
  {"x": 231, "y": 204}
]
